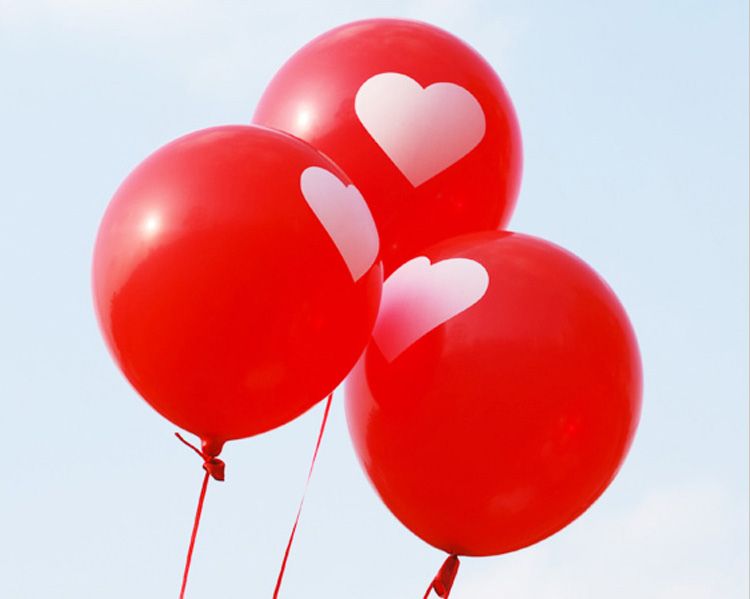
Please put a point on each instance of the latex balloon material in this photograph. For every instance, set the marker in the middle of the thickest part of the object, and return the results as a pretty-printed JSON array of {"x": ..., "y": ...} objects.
[
  {"x": 416, "y": 117},
  {"x": 499, "y": 395},
  {"x": 236, "y": 279}
]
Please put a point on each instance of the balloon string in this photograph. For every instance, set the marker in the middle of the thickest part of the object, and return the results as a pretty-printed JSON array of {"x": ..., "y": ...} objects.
[
  {"x": 214, "y": 468},
  {"x": 194, "y": 535},
  {"x": 302, "y": 501},
  {"x": 443, "y": 581}
]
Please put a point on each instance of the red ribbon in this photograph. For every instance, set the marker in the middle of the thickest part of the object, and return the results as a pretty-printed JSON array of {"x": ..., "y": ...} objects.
[
  {"x": 443, "y": 581},
  {"x": 302, "y": 501},
  {"x": 214, "y": 468}
]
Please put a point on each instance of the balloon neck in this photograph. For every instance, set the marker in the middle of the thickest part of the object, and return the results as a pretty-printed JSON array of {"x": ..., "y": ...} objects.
[{"x": 211, "y": 448}]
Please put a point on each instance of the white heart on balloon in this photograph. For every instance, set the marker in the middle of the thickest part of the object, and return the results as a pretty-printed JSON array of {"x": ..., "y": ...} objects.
[
  {"x": 345, "y": 216},
  {"x": 422, "y": 130},
  {"x": 420, "y": 296}
]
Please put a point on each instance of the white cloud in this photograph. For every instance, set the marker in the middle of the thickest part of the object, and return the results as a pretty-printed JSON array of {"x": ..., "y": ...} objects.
[
  {"x": 86, "y": 14},
  {"x": 217, "y": 47},
  {"x": 676, "y": 543}
]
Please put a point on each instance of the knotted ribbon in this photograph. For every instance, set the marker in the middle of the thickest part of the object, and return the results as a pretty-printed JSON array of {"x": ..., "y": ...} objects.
[
  {"x": 443, "y": 581},
  {"x": 214, "y": 468}
]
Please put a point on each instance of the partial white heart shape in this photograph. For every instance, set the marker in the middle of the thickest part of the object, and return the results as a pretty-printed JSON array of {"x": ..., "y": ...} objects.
[
  {"x": 422, "y": 130},
  {"x": 419, "y": 297},
  {"x": 345, "y": 216}
]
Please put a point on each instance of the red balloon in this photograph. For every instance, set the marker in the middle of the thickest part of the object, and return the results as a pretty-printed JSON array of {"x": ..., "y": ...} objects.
[
  {"x": 236, "y": 279},
  {"x": 499, "y": 395},
  {"x": 418, "y": 120}
]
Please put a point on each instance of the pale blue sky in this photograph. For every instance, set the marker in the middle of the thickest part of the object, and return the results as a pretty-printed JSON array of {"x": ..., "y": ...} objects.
[{"x": 634, "y": 119}]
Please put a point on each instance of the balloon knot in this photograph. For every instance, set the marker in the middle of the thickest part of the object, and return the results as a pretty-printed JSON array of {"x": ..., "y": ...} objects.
[
  {"x": 443, "y": 581},
  {"x": 215, "y": 467},
  {"x": 211, "y": 464}
]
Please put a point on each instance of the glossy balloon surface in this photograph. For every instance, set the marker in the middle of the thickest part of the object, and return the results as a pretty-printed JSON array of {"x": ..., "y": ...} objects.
[
  {"x": 500, "y": 393},
  {"x": 417, "y": 118},
  {"x": 225, "y": 291}
]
